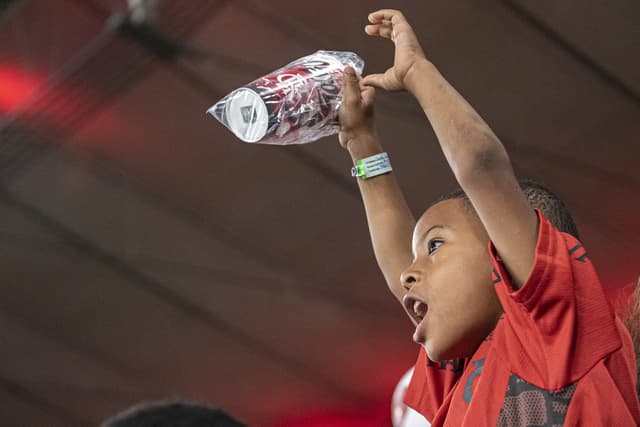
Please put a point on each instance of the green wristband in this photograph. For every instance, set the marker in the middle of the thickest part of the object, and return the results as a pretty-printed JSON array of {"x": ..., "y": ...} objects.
[{"x": 371, "y": 166}]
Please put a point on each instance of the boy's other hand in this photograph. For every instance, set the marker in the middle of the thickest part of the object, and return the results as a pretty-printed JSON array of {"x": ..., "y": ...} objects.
[
  {"x": 392, "y": 24},
  {"x": 356, "y": 110}
]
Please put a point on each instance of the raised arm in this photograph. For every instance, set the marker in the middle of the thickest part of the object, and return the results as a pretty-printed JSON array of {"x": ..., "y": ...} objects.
[
  {"x": 389, "y": 218},
  {"x": 476, "y": 156}
]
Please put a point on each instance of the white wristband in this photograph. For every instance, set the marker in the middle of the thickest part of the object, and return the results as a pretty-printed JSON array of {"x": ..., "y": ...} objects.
[{"x": 371, "y": 166}]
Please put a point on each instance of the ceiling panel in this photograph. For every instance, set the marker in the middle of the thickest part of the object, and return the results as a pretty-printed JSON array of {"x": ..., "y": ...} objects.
[{"x": 604, "y": 32}]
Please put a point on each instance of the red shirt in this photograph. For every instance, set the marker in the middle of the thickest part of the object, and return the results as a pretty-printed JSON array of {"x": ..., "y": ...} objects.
[{"x": 558, "y": 356}]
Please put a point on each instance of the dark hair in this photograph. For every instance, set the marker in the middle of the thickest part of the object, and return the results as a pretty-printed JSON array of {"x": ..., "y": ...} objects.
[
  {"x": 540, "y": 197},
  {"x": 172, "y": 414}
]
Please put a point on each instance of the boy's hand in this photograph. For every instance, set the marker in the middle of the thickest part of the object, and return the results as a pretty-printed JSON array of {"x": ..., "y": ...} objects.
[
  {"x": 392, "y": 24},
  {"x": 356, "y": 110}
]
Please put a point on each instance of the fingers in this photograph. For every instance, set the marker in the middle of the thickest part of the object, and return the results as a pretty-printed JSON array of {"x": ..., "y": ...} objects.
[
  {"x": 382, "y": 30},
  {"x": 393, "y": 16},
  {"x": 355, "y": 93},
  {"x": 368, "y": 94},
  {"x": 350, "y": 87},
  {"x": 375, "y": 80},
  {"x": 383, "y": 23}
]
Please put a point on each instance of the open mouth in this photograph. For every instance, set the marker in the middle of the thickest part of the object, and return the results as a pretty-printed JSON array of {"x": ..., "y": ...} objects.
[{"x": 417, "y": 309}]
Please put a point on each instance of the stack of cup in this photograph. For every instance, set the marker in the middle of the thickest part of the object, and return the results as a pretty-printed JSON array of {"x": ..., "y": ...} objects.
[{"x": 295, "y": 104}]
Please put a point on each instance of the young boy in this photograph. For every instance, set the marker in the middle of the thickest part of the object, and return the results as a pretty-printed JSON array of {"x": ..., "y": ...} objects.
[{"x": 519, "y": 334}]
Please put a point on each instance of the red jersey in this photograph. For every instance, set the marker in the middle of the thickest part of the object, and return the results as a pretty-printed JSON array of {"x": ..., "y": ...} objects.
[{"x": 558, "y": 356}]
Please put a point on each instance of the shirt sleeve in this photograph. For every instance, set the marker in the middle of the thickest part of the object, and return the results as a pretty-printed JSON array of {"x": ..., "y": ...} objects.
[{"x": 559, "y": 323}]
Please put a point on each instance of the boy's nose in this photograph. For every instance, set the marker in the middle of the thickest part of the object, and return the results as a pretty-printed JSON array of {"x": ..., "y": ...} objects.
[{"x": 409, "y": 278}]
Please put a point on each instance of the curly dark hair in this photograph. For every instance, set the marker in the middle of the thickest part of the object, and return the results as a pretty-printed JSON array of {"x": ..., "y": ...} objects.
[{"x": 540, "y": 197}]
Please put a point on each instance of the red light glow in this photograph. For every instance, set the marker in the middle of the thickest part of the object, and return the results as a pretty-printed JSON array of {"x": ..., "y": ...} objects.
[
  {"x": 15, "y": 87},
  {"x": 377, "y": 416}
]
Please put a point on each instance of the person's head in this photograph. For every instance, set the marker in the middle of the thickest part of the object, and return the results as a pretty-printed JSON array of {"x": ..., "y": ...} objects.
[
  {"x": 451, "y": 272},
  {"x": 171, "y": 414}
]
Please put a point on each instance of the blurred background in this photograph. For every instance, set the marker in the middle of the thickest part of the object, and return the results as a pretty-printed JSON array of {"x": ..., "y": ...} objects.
[{"x": 145, "y": 252}]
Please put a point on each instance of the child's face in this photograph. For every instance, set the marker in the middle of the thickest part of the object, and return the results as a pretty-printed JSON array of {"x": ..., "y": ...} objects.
[{"x": 451, "y": 277}]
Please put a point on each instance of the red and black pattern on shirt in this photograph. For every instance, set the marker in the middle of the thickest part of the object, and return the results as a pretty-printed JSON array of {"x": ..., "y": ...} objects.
[{"x": 526, "y": 405}]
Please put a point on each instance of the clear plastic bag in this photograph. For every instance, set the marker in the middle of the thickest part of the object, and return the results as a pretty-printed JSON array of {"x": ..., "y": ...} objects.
[{"x": 295, "y": 104}]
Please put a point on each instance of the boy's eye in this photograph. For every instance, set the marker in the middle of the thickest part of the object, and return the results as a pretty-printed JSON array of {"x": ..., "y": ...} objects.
[{"x": 433, "y": 244}]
